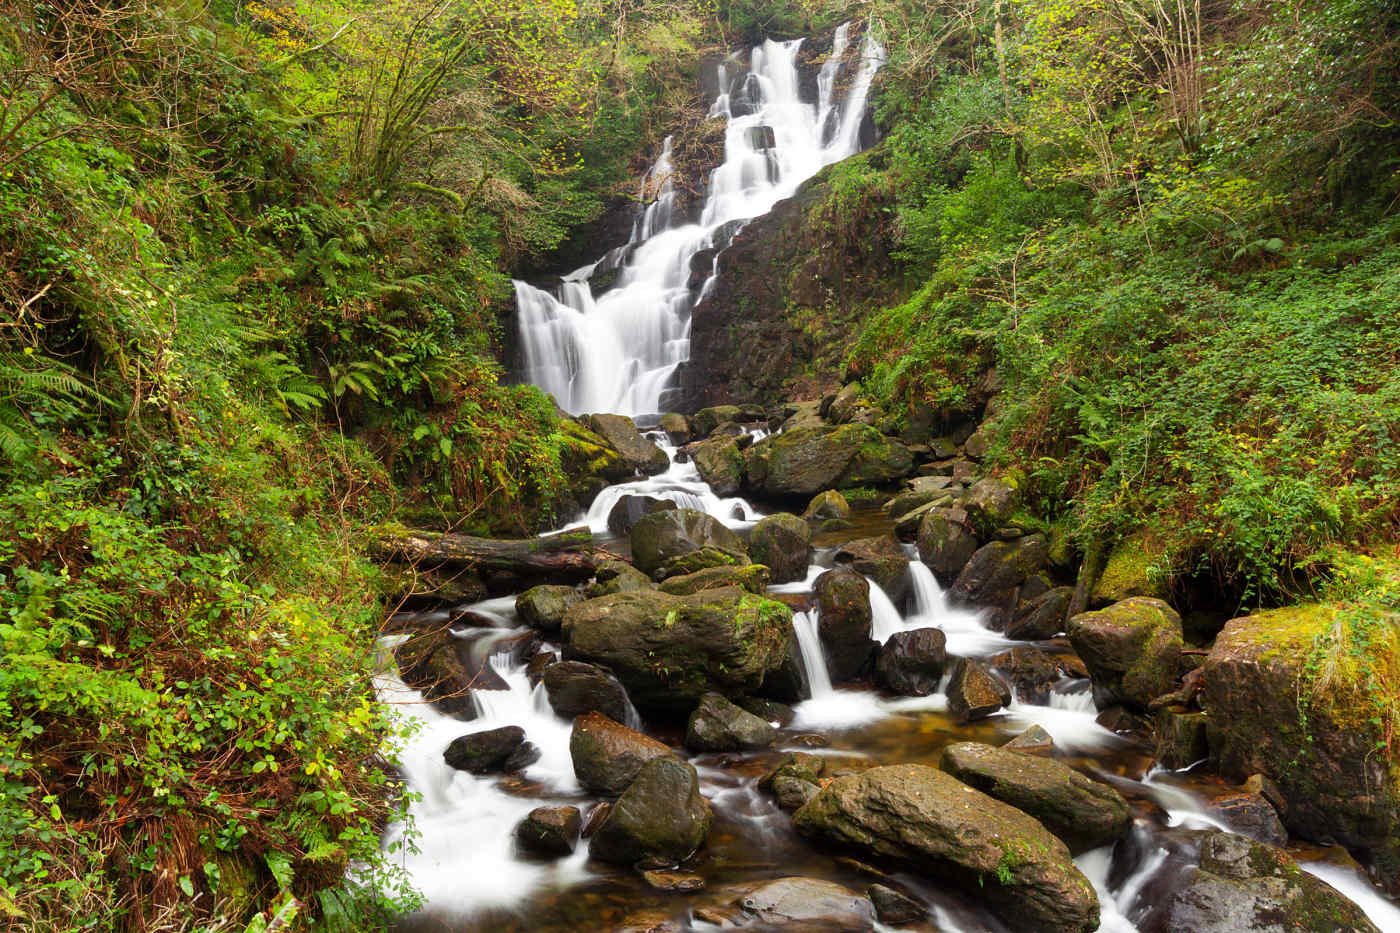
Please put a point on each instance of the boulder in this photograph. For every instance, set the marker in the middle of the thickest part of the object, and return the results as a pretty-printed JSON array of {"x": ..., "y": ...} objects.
[
  {"x": 625, "y": 512},
  {"x": 906, "y": 527},
  {"x": 826, "y": 507},
  {"x": 607, "y": 755},
  {"x": 484, "y": 752},
  {"x": 636, "y": 451},
  {"x": 1245, "y": 885},
  {"x": 718, "y": 725},
  {"x": 978, "y": 444},
  {"x": 669, "y": 651},
  {"x": 1040, "y": 618},
  {"x": 660, "y": 537},
  {"x": 1127, "y": 572},
  {"x": 782, "y": 542},
  {"x": 706, "y": 558},
  {"x": 751, "y": 577},
  {"x": 588, "y": 461},
  {"x": 677, "y": 428},
  {"x": 549, "y": 830},
  {"x": 999, "y": 569},
  {"x": 806, "y": 461},
  {"x": 796, "y": 765},
  {"x": 574, "y": 688},
  {"x": 1250, "y": 815},
  {"x": 895, "y": 908},
  {"x": 843, "y": 620},
  {"x": 913, "y": 499},
  {"x": 946, "y": 542},
  {"x": 659, "y": 820},
  {"x": 803, "y": 904},
  {"x": 1292, "y": 695},
  {"x": 768, "y": 710},
  {"x": 1083, "y": 812},
  {"x": 1132, "y": 650},
  {"x": 1181, "y": 736},
  {"x": 793, "y": 793},
  {"x": 720, "y": 463},
  {"x": 704, "y": 421},
  {"x": 975, "y": 692},
  {"x": 543, "y": 607},
  {"x": 1031, "y": 671},
  {"x": 1034, "y": 741},
  {"x": 882, "y": 559},
  {"x": 617, "y": 576},
  {"x": 989, "y": 504},
  {"x": 441, "y": 667},
  {"x": 911, "y": 663},
  {"x": 937, "y": 825}
]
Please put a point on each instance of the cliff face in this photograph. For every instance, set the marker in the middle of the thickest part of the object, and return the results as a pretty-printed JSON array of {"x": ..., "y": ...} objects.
[{"x": 789, "y": 295}]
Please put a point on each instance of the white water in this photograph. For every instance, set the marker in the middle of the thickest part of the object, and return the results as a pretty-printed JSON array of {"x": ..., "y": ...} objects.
[{"x": 617, "y": 351}]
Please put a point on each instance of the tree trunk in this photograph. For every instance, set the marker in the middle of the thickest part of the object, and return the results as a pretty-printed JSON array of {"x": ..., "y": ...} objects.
[{"x": 566, "y": 554}]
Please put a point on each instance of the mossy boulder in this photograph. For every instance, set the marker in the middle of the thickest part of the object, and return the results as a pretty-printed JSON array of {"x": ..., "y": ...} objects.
[
  {"x": 543, "y": 607},
  {"x": 751, "y": 577},
  {"x": 1129, "y": 572},
  {"x": 718, "y": 725},
  {"x": 843, "y": 621},
  {"x": 1245, "y": 885},
  {"x": 706, "y": 558},
  {"x": 806, "y": 461},
  {"x": 911, "y": 663},
  {"x": 575, "y": 687},
  {"x": 989, "y": 504},
  {"x": 637, "y": 452},
  {"x": 720, "y": 464},
  {"x": 880, "y": 558},
  {"x": 704, "y": 421},
  {"x": 937, "y": 825},
  {"x": 661, "y": 537},
  {"x": 659, "y": 820},
  {"x": 617, "y": 576},
  {"x": 669, "y": 651},
  {"x": 1042, "y": 617},
  {"x": 946, "y": 542},
  {"x": 1132, "y": 650},
  {"x": 625, "y": 512},
  {"x": 782, "y": 542},
  {"x": 677, "y": 428},
  {"x": 828, "y": 506},
  {"x": 1305, "y": 696},
  {"x": 1181, "y": 736},
  {"x": 588, "y": 460},
  {"x": 1083, "y": 812},
  {"x": 996, "y": 571}
]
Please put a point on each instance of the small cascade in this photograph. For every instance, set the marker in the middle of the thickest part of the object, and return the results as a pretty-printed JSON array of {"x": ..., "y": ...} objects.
[
  {"x": 885, "y": 619},
  {"x": 617, "y": 351},
  {"x": 813, "y": 659}
]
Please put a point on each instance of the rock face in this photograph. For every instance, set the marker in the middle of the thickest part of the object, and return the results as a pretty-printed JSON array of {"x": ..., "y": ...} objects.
[
  {"x": 946, "y": 542},
  {"x": 783, "y": 543},
  {"x": 881, "y": 559},
  {"x": 660, "y": 819},
  {"x": 483, "y": 752},
  {"x": 543, "y": 607},
  {"x": 808, "y": 460},
  {"x": 661, "y": 537},
  {"x": 843, "y": 620},
  {"x": 669, "y": 651},
  {"x": 975, "y": 692},
  {"x": 717, "y": 725},
  {"x": 720, "y": 464},
  {"x": 1271, "y": 714},
  {"x": 989, "y": 504},
  {"x": 636, "y": 451},
  {"x": 1082, "y": 812},
  {"x": 936, "y": 824},
  {"x": 549, "y": 830},
  {"x": 1243, "y": 885},
  {"x": 911, "y": 663},
  {"x": 607, "y": 755},
  {"x": 575, "y": 688},
  {"x": 1132, "y": 650}
]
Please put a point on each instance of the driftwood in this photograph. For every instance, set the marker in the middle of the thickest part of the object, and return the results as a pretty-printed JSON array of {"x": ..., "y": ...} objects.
[{"x": 568, "y": 553}]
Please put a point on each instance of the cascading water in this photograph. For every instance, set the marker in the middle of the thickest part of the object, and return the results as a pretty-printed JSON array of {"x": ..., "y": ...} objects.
[{"x": 618, "y": 351}]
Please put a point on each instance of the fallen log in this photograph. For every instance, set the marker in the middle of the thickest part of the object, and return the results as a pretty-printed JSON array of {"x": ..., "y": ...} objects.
[{"x": 567, "y": 554}]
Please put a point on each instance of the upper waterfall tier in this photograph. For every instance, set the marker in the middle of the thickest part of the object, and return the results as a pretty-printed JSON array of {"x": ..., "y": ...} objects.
[{"x": 618, "y": 351}]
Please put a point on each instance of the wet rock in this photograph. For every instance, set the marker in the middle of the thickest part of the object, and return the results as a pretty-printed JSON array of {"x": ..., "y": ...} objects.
[
  {"x": 906, "y": 527},
  {"x": 677, "y": 881},
  {"x": 636, "y": 451},
  {"x": 525, "y": 754},
  {"x": 1118, "y": 718},
  {"x": 575, "y": 688},
  {"x": 769, "y": 711},
  {"x": 999, "y": 569},
  {"x": 1132, "y": 650},
  {"x": 796, "y": 415},
  {"x": 798, "y": 904},
  {"x": 793, "y": 793},
  {"x": 1181, "y": 736},
  {"x": 843, "y": 620},
  {"x": 752, "y": 577},
  {"x": 705, "y": 558},
  {"x": 975, "y": 692},
  {"x": 894, "y": 907},
  {"x": 484, "y": 752},
  {"x": 1339, "y": 778},
  {"x": 596, "y": 815},
  {"x": 1250, "y": 815},
  {"x": 647, "y": 921},
  {"x": 783, "y": 543},
  {"x": 543, "y": 607},
  {"x": 539, "y": 662},
  {"x": 718, "y": 725},
  {"x": 549, "y": 830},
  {"x": 1083, "y": 812},
  {"x": 660, "y": 537},
  {"x": 806, "y": 461},
  {"x": 1034, "y": 741},
  {"x": 659, "y": 820},
  {"x": 1244, "y": 885},
  {"x": 616, "y": 576},
  {"x": 934, "y": 823},
  {"x": 946, "y": 542},
  {"x": 607, "y": 755},
  {"x": 669, "y": 651},
  {"x": 1127, "y": 572},
  {"x": 798, "y": 766},
  {"x": 676, "y": 427},
  {"x": 911, "y": 663},
  {"x": 882, "y": 559},
  {"x": 827, "y": 506},
  {"x": 720, "y": 463},
  {"x": 911, "y": 499},
  {"x": 1031, "y": 671},
  {"x": 435, "y": 664},
  {"x": 1040, "y": 618},
  {"x": 628, "y": 509},
  {"x": 706, "y": 420},
  {"x": 989, "y": 504}
]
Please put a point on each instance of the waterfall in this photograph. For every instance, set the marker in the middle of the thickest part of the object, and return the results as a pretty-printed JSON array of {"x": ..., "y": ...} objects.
[
  {"x": 617, "y": 351},
  {"x": 813, "y": 660}
]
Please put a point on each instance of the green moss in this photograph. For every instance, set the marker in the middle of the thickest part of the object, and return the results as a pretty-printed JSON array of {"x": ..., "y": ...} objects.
[{"x": 1133, "y": 569}]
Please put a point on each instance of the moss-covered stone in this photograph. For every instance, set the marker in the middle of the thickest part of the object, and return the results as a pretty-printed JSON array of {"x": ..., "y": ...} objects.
[
  {"x": 704, "y": 421},
  {"x": 720, "y": 464},
  {"x": 1132, "y": 650},
  {"x": 784, "y": 543},
  {"x": 543, "y": 607},
  {"x": 751, "y": 577},
  {"x": 660, "y": 819},
  {"x": 660, "y": 537},
  {"x": 637, "y": 452},
  {"x": 827, "y": 506},
  {"x": 1130, "y": 571},
  {"x": 808, "y": 460}
]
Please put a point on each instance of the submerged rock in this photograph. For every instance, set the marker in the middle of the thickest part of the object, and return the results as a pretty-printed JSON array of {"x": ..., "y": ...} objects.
[
  {"x": 636, "y": 451},
  {"x": 549, "y": 830},
  {"x": 717, "y": 725},
  {"x": 936, "y": 824},
  {"x": 607, "y": 755},
  {"x": 893, "y": 907},
  {"x": 574, "y": 688},
  {"x": 1132, "y": 650},
  {"x": 799, "y": 904},
  {"x": 843, "y": 621},
  {"x": 974, "y": 692},
  {"x": 782, "y": 542},
  {"x": 543, "y": 607},
  {"x": 661, "y": 537},
  {"x": 911, "y": 663},
  {"x": 660, "y": 819},
  {"x": 1083, "y": 812}
]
